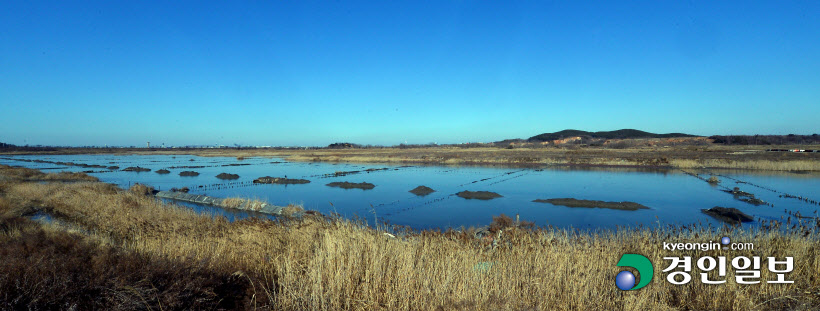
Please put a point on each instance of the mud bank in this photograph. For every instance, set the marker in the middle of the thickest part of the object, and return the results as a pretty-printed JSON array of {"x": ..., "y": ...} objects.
[{"x": 569, "y": 202}]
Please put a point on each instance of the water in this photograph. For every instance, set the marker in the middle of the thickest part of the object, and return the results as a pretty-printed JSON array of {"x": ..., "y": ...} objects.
[{"x": 673, "y": 197}]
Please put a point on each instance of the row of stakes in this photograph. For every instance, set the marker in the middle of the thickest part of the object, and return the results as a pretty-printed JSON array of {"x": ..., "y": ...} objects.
[
  {"x": 489, "y": 178},
  {"x": 368, "y": 171},
  {"x": 780, "y": 193},
  {"x": 113, "y": 170},
  {"x": 799, "y": 215},
  {"x": 448, "y": 196},
  {"x": 436, "y": 200},
  {"x": 513, "y": 177},
  {"x": 242, "y": 184},
  {"x": 725, "y": 188},
  {"x": 228, "y": 185}
]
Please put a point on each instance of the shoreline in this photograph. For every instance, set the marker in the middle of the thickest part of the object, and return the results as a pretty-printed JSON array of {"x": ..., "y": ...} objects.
[{"x": 679, "y": 157}]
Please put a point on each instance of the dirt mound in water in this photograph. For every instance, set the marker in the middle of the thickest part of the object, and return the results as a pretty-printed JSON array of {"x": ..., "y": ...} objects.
[
  {"x": 351, "y": 185},
  {"x": 746, "y": 197},
  {"x": 738, "y": 193},
  {"x": 569, "y": 202},
  {"x": 480, "y": 195},
  {"x": 227, "y": 176},
  {"x": 730, "y": 214},
  {"x": 188, "y": 173},
  {"x": 342, "y": 173},
  {"x": 136, "y": 169},
  {"x": 279, "y": 180},
  {"x": 422, "y": 190},
  {"x": 162, "y": 171}
]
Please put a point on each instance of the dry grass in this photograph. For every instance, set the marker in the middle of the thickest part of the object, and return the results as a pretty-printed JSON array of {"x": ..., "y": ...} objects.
[
  {"x": 45, "y": 267},
  {"x": 26, "y": 174},
  {"x": 257, "y": 205},
  {"x": 732, "y": 157},
  {"x": 243, "y": 203},
  {"x": 233, "y": 202},
  {"x": 142, "y": 189},
  {"x": 792, "y": 165},
  {"x": 315, "y": 263},
  {"x": 292, "y": 210}
]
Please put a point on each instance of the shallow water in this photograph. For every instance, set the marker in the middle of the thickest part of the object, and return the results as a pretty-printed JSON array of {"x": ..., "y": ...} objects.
[{"x": 673, "y": 197}]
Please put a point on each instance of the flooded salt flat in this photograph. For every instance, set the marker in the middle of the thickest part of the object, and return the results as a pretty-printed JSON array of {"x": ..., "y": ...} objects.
[{"x": 672, "y": 196}]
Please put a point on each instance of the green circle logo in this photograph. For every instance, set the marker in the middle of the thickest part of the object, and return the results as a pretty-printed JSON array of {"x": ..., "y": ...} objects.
[{"x": 625, "y": 280}]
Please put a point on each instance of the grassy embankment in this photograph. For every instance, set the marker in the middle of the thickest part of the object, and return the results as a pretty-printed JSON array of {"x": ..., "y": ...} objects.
[
  {"x": 115, "y": 249},
  {"x": 752, "y": 157},
  {"x": 713, "y": 156}
]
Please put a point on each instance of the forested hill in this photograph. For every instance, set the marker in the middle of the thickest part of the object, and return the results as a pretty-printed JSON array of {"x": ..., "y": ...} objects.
[{"x": 619, "y": 134}]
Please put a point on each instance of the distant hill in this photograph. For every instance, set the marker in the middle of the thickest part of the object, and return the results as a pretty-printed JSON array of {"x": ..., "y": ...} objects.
[
  {"x": 342, "y": 146},
  {"x": 619, "y": 134}
]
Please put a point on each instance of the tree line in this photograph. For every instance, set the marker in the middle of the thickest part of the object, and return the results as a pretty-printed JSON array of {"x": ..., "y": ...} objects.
[{"x": 790, "y": 139}]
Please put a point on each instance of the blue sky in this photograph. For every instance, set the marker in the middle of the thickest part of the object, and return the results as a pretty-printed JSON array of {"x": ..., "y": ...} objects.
[{"x": 386, "y": 72}]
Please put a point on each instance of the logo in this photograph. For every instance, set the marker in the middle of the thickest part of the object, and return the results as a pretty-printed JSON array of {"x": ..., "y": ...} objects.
[
  {"x": 626, "y": 280},
  {"x": 710, "y": 268}
]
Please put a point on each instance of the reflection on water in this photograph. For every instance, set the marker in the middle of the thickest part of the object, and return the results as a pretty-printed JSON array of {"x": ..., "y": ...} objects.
[
  {"x": 672, "y": 196},
  {"x": 42, "y": 217}
]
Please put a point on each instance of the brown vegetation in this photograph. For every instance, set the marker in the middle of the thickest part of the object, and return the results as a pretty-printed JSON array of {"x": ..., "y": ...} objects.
[
  {"x": 142, "y": 189},
  {"x": 26, "y": 174},
  {"x": 750, "y": 157},
  {"x": 503, "y": 222},
  {"x": 292, "y": 210},
  {"x": 243, "y": 203},
  {"x": 47, "y": 268}
]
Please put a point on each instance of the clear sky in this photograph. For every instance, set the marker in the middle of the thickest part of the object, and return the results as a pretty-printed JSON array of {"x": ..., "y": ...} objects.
[{"x": 386, "y": 72}]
